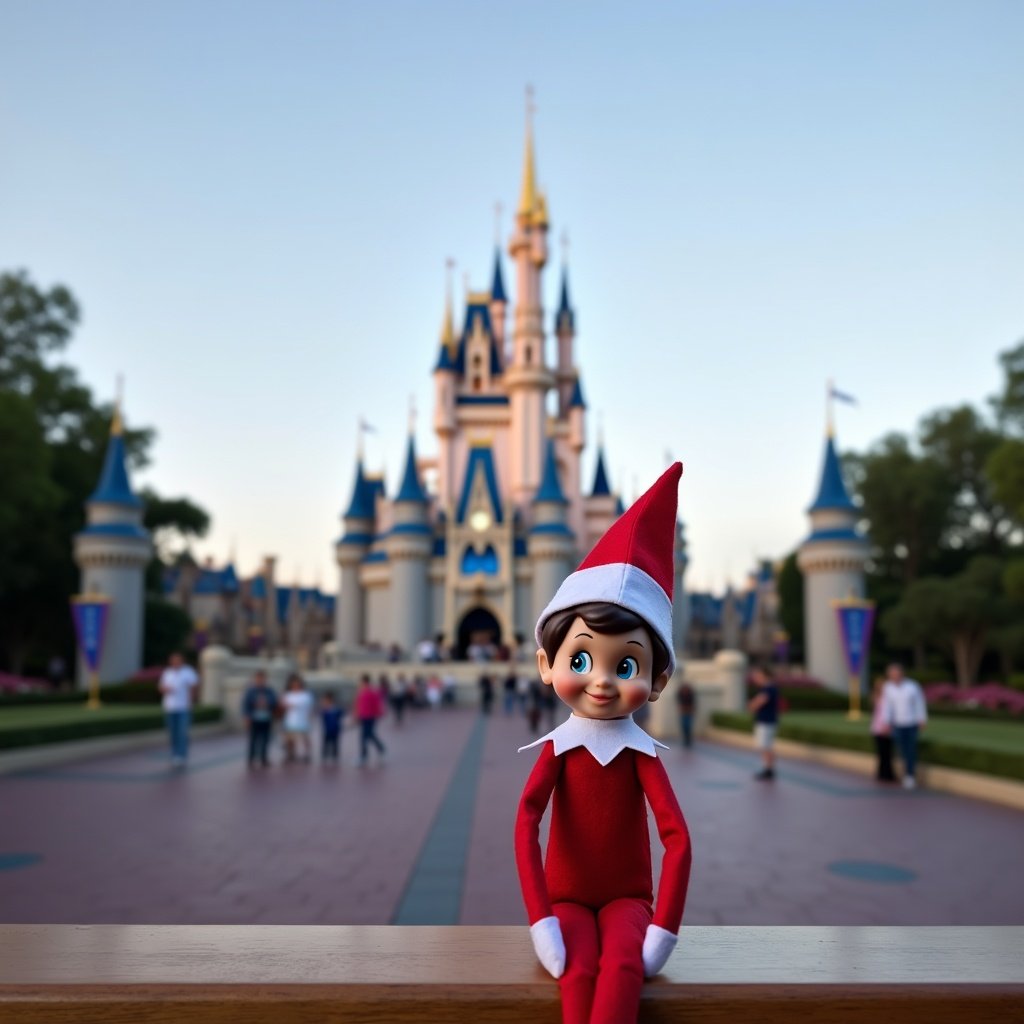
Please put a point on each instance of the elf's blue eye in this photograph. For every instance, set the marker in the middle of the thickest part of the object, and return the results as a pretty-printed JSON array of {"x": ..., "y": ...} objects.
[
  {"x": 627, "y": 668},
  {"x": 580, "y": 662}
]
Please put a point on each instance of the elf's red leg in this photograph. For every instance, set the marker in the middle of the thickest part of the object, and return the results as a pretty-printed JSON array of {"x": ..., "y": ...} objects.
[
  {"x": 620, "y": 973},
  {"x": 579, "y": 930}
]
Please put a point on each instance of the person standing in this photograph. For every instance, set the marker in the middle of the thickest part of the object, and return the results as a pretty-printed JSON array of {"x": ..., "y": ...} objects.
[
  {"x": 259, "y": 705},
  {"x": 764, "y": 706},
  {"x": 178, "y": 684},
  {"x": 332, "y": 715},
  {"x": 686, "y": 698},
  {"x": 486, "y": 693},
  {"x": 298, "y": 719},
  {"x": 907, "y": 714},
  {"x": 881, "y": 732},
  {"x": 369, "y": 708}
]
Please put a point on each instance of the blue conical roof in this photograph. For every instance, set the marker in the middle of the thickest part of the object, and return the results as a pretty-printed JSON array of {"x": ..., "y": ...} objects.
[
  {"x": 411, "y": 489},
  {"x": 361, "y": 505},
  {"x": 498, "y": 284},
  {"x": 577, "y": 396},
  {"x": 565, "y": 317},
  {"x": 550, "y": 489},
  {"x": 832, "y": 493},
  {"x": 600, "y": 487},
  {"x": 114, "y": 487}
]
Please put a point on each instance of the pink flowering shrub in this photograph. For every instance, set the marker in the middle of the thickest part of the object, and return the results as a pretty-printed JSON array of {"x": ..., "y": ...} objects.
[{"x": 990, "y": 696}]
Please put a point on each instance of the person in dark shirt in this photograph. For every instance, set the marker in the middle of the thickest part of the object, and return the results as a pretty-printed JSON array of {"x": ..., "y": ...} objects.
[
  {"x": 764, "y": 706},
  {"x": 259, "y": 705},
  {"x": 686, "y": 698},
  {"x": 332, "y": 715}
]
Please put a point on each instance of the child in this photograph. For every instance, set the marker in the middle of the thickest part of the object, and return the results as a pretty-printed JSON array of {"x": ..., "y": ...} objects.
[
  {"x": 606, "y": 649},
  {"x": 297, "y": 703},
  {"x": 331, "y": 718}
]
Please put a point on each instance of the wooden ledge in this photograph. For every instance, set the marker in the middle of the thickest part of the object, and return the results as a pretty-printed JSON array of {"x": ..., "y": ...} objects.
[{"x": 369, "y": 975}]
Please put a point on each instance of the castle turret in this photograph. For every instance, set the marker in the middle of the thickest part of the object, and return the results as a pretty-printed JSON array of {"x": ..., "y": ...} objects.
[
  {"x": 358, "y": 522},
  {"x": 832, "y": 560},
  {"x": 565, "y": 331},
  {"x": 445, "y": 382},
  {"x": 499, "y": 305},
  {"x": 409, "y": 546},
  {"x": 601, "y": 506},
  {"x": 528, "y": 378},
  {"x": 551, "y": 545},
  {"x": 113, "y": 551},
  {"x": 576, "y": 440}
]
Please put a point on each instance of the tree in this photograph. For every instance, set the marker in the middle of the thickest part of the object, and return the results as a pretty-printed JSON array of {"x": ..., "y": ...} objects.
[
  {"x": 791, "y": 605},
  {"x": 906, "y": 501},
  {"x": 961, "y": 443},
  {"x": 1005, "y": 471},
  {"x": 955, "y": 614},
  {"x": 54, "y": 438},
  {"x": 1009, "y": 404}
]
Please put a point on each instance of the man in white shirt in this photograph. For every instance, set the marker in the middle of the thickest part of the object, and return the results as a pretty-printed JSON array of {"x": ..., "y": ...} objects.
[
  {"x": 178, "y": 685},
  {"x": 907, "y": 713}
]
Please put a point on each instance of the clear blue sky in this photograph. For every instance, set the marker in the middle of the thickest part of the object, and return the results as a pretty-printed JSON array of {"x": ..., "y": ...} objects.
[{"x": 254, "y": 203}]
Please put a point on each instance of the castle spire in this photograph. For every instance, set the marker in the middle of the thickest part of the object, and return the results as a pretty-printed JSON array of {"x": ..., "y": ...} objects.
[
  {"x": 528, "y": 193},
  {"x": 550, "y": 488},
  {"x": 498, "y": 282},
  {"x": 448, "y": 327},
  {"x": 601, "y": 487},
  {"x": 114, "y": 487},
  {"x": 832, "y": 492},
  {"x": 411, "y": 488}
]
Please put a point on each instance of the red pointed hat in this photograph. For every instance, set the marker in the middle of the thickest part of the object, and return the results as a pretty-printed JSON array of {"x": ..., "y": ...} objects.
[{"x": 632, "y": 564}]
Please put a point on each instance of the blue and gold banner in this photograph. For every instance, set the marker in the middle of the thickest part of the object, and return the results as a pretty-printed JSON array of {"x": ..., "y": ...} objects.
[
  {"x": 90, "y": 612},
  {"x": 856, "y": 619}
]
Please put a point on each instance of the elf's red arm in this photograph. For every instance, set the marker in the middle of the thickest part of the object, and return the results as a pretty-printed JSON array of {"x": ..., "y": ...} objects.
[
  {"x": 534, "y": 802},
  {"x": 675, "y": 837}
]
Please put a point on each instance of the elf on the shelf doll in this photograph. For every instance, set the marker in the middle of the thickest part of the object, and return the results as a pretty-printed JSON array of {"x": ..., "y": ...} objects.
[{"x": 606, "y": 647}]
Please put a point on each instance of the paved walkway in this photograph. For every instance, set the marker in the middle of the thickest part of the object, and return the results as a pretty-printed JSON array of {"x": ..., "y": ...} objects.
[{"x": 426, "y": 837}]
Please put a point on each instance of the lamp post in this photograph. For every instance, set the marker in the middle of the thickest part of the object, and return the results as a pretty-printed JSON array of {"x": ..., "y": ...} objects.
[
  {"x": 90, "y": 612},
  {"x": 855, "y": 617}
]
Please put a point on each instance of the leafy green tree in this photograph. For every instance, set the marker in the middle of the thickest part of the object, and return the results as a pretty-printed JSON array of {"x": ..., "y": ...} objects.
[
  {"x": 54, "y": 438},
  {"x": 791, "y": 605},
  {"x": 907, "y": 502},
  {"x": 1005, "y": 470},
  {"x": 167, "y": 629},
  {"x": 1009, "y": 404},
  {"x": 961, "y": 442},
  {"x": 954, "y": 614}
]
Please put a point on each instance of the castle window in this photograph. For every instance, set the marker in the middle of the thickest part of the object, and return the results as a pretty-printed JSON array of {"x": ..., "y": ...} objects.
[
  {"x": 477, "y": 384},
  {"x": 485, "y": 561},
  {"x": 476, "y": 360},
  {"x": 529, "y": 353}
]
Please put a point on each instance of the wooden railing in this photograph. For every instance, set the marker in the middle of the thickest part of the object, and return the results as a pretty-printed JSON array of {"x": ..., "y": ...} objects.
[{"x": 116, "y": 974}]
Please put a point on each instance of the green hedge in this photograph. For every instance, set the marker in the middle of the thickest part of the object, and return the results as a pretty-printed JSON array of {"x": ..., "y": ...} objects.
[
  {"x": 930, "y": 750},
  {"x": 113, "y": 693},
  {"x": 31, "y": 735},
  {"x": 808, "y": 698}
]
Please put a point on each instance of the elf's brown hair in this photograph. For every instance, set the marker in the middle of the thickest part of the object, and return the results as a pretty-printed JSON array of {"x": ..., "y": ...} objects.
[{"x": 603, "y": 617}]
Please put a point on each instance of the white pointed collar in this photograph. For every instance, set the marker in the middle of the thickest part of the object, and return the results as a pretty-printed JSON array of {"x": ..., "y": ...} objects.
[{"x": 605, "y": 738}]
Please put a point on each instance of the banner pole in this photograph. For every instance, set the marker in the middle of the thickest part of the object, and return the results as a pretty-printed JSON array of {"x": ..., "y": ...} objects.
[
  {"x": 854, "y": 713},
  {"x": 94, "y": 702}
]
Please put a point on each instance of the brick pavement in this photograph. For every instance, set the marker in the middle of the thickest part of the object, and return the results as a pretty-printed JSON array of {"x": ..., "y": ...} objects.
[{"x": 120, "y": 839}]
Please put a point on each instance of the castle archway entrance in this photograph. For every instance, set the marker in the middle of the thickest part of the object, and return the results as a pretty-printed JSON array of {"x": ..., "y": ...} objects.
[{"x": 478, "y": 626}]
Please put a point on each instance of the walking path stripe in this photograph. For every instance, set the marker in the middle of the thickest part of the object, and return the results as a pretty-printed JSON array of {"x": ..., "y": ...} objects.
[{"x": 433, "y": 894}]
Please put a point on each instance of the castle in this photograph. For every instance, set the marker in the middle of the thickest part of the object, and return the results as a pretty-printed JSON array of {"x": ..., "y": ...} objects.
[{"x": 508, "y": 516}]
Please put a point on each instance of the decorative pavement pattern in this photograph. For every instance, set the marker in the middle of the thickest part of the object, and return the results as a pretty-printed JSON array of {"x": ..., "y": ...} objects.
[{"x": 426, "y": 837}]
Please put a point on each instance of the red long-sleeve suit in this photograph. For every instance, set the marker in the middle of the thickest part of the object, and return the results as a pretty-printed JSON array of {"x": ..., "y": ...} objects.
[{"x": 597, "y": 875}]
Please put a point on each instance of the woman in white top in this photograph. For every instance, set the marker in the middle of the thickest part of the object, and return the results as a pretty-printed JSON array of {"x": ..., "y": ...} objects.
[{"x": 297, "y": 703}]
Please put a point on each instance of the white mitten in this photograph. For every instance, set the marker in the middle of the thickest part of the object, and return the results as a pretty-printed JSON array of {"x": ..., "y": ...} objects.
[
  {"x": 658, "y": 946},
  {"x": 549, "y": 945}
]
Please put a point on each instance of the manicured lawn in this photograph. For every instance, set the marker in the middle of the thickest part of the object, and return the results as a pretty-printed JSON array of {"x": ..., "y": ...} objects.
[
  {"x": 52, "y": 723},
  {"x": 1007, "y": 736},
  {"x": 981, "y": 745}
]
